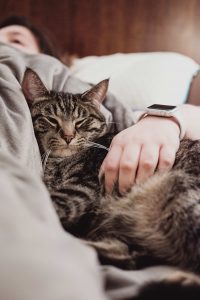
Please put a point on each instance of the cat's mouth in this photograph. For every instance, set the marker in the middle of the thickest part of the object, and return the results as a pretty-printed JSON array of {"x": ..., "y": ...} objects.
[
  {"x": 65, "y": 150},
  {"x": 69, "y": 146}
]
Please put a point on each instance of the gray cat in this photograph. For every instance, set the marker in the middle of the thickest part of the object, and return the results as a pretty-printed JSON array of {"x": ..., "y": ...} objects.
[{"x": 156, "y": 222}]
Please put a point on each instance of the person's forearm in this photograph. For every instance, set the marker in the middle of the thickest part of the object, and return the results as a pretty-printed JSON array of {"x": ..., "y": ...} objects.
[{"x": 191, "y": 115}]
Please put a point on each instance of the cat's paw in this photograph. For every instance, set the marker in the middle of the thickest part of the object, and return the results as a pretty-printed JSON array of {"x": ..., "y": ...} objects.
[
  {"x": 183, "y": 278},
  {"x": 177, "y": 285},
  {"x": 113, "y": 252}
]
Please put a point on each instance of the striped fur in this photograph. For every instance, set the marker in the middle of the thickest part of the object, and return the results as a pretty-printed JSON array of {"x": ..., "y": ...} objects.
[{"x": 156, "y": 222}]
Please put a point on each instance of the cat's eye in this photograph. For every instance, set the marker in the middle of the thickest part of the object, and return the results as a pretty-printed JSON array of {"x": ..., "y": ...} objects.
[
  {"x": 16, "y": 42},
  {"x": 53, "y": 121},
  {"x": 79, "y": 123},
  {"x": 41, "y": 124}
]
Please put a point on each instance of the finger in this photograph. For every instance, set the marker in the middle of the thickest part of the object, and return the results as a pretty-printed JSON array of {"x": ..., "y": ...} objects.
[
  {"x": 128, "y": 167},
  {"x": 148, "y": 162},
  {"x": 166, "y": 158},
  {"x": 110, "y": 167}
]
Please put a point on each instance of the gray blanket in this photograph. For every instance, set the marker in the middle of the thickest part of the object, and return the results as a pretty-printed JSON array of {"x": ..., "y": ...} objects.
[{"x": 38, "y": 259}]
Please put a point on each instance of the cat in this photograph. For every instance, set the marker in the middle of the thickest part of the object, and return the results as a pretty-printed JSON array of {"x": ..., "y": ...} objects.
[{"x": 156, "y": 222}]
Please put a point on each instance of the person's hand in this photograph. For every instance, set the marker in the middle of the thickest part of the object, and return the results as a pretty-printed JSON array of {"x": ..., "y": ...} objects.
[{"x": 136, "y": 152}]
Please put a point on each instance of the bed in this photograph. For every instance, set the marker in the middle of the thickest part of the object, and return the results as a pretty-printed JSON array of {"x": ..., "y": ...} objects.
[{"x": 152, "y": 40}]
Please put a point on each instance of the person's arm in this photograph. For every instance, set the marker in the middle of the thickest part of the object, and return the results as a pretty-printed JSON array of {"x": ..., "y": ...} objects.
[
  {"x": 151, "y": 144},
  {"x": 191, "y": 115}
]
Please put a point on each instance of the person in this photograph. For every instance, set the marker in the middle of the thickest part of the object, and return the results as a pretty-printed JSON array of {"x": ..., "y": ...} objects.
[
  {"x": 21, "y": 33},
  {"x": 136, "y": 152},
  {"x": 39, "y": 260},
  {"x": 52, "y": 263},
  {"x": 149, "y": 145}
]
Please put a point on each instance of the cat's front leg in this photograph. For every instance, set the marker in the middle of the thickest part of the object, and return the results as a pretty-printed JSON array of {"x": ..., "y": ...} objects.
[
  {"x": 69, "y": 212},
  {"x": 112, "y": 251},
  {"x": 76, "y": 210},
  {"x": 176, "y": 285}
]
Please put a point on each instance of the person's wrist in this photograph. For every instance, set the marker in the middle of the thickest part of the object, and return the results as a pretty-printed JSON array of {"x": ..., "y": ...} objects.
[
  {"x": 181, "y": 125},
  {"x": 166, "y": 112},
  {"x": 177, "y": 119},
  {"x": 186, "y": 111},
  {"x": 157, "y": 120}
]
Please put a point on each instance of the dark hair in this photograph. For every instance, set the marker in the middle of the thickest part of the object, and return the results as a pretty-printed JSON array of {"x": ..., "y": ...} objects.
[{"x": 44, "y": 43}]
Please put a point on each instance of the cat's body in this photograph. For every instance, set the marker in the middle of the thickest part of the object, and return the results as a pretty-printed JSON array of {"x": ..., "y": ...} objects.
[
  {"x": 76, "y": 177},
  {"x": 159, "y": 219}
]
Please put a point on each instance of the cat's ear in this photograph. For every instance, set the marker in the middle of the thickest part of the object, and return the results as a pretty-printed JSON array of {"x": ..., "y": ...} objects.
[
  {"x": 98, "y": 92},
  {"x": 32, "y": 86}
]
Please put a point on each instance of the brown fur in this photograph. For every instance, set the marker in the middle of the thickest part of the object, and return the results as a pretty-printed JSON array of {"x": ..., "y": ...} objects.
[{"x": 156, "y": 222}]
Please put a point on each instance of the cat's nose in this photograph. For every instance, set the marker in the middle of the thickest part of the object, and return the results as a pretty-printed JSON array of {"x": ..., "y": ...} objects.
[{"x": 68, "y": 138}]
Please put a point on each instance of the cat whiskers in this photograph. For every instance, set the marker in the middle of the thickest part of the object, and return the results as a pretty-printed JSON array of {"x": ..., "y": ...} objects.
[
  {"x": 113, "y": 122},
  {"x": 45, "y": 157},
  {"x": 96, "y": 145},
  {"x": 59, "y": 130}
]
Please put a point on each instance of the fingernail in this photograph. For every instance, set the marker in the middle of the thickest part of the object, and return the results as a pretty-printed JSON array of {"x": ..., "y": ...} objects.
[
  {"x": 122, "y": 193},
  {"x": 109, "y": 189},
  {"x": 101, "y": 173},
  {"x": 101, "y": 178},
  {"x": 138, "y": 181}
]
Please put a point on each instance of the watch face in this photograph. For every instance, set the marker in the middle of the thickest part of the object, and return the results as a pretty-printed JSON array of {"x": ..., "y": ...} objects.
[{"x": 162, "y": 107}]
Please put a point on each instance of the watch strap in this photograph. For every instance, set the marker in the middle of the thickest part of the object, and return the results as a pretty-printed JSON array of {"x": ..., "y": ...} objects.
[{"x": 177, "y": 116}]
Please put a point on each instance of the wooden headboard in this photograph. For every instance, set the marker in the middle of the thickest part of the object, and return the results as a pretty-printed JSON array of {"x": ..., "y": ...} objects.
[{"x": 99, "y": 27}]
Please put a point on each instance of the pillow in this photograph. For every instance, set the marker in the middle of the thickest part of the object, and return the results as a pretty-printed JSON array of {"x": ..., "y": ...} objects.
[{"x": 141, "y": 79}]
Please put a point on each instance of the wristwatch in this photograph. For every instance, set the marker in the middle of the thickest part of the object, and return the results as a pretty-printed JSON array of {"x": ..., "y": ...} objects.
[{"x": 160, "y": 110}]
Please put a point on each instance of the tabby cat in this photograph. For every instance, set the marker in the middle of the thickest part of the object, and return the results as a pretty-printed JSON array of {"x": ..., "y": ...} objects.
[{"x": 158, "y": 221}]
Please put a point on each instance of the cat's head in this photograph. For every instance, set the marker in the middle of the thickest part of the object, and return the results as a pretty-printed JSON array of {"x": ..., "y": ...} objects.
[{"x": 64, "y": 122}]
